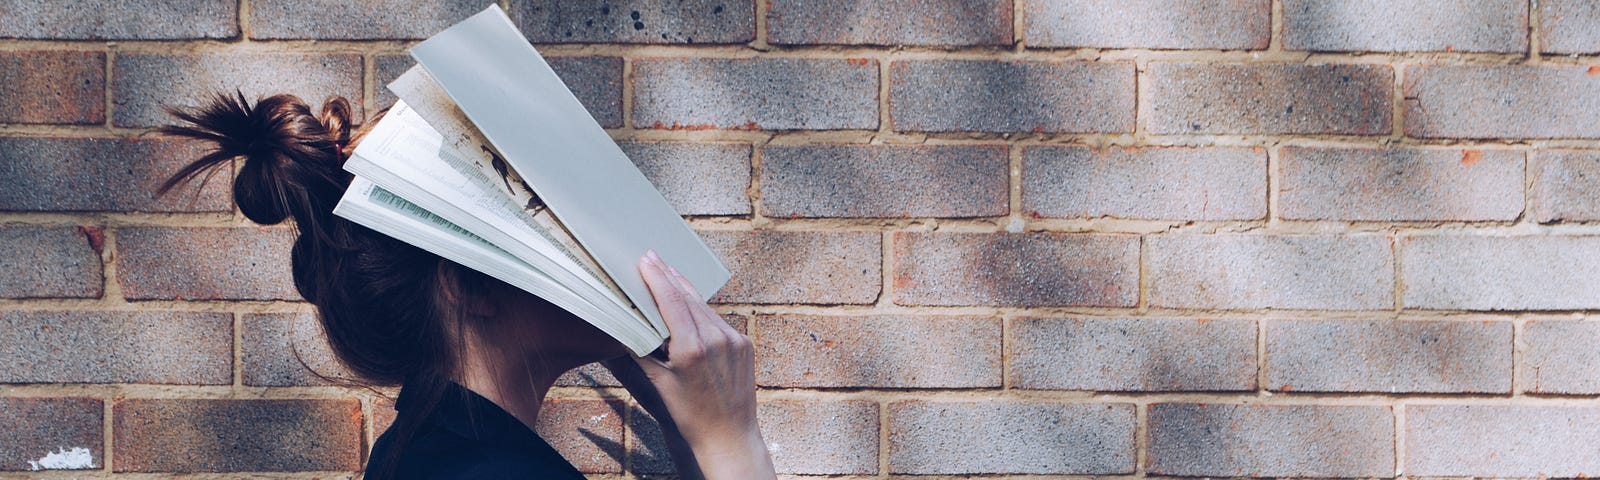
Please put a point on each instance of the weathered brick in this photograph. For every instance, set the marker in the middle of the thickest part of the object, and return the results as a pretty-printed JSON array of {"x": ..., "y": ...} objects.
[
  {"x": 1145, "y": 183},
  {"x": 884, "y": 181},
  {"x": 892, "y": 22},
  {"x": 755, "y": 93},
  {"x": 1028, "y": 270},
  {"x": 42, "y": 174},
  {"x": 1400, "y": 184},
  {"x": 597, "y": 82},
  {"x": 1569, "y": 26},
  {"x": 799, "y": 267},
  {"x": 877, "y": 352},
  {"x": 385, "y": 69},
  {"x": 1500, "y": 273},
  {"x": 1002, "y": 96},
  {"x": 1282, "y": 272},
  {"x": 1383, "y": 26},
  {"x": 1502, "y": 101},
  {"x": 1010, "y": 437},
  {"x": 637, "y": 21},
  {"x": 56, "y": 87},
  {"x": 1215, "y": 440},
  {"x": 1154, "y": 24},
  {"x": 145, "y": 82},
  {"x": 184, "y": 435},
  {"x": 201, "y": 263},
  {"x": 1388, "y": 356},
  {"x": 587, "y": 432},
  {"x": 50, "y": 433},
  {"x": 367, "y": 20},
  {"x": 821, "y": 437},
  {"x": 696, "y": 178},
  {"x": 1501, "y": 441},
  {"x": 1122, "y": 354},
  {"x": 1197, "y": 98},
  {"x": 647, "y": 448},
  {"x": 191, "y": 348},
  {"x": 119, "y": 19},
  {"x": 591, "y": 375},
  {"x": 1565, "y": 185},
  {"x": 287, "y": 349},
  {"x": 44, "y": 262},
  {"x": 1561, "y": 357}
]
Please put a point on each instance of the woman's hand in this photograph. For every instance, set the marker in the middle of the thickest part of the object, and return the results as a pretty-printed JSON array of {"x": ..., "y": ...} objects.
[{"x": 708, "y": 380}]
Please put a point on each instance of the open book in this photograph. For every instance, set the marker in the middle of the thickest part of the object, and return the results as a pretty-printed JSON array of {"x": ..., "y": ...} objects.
[{"x": 488, "y": 160}]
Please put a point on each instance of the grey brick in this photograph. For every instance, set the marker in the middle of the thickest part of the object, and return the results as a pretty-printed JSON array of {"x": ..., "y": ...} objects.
[
  {"x": 1010, "y": 437},
  {"x": 591, "y": 375},
  {"x": 42, "y": 174},
  {"x": 587, "y": 432},
  {"x": 1384, "y": 26},
  {"x": 1565, "y": 185},
  {"x": 1000, "y": 96},
  {"x": 1280, "y": 272},
  {"x": 1145, "y": 183},
  {"x": 1502, "y": 101},
  {"x": 636, "y": 21},
  {"x": 1400, "y": 184},
  {"x": 1388, "y": 356},
  {"x": 697, "y": 178},
  {"x": 1561, "y": 357},
  {"x": 144, "y": 82},
  {"x": 190, "y": 348},
  {"x": 201, "y": 263},
  {"x": 46, "y": 262},
  {"x": 1196, "y": 98},
  {"x": 386, "y": 68},
  {"x": 1452, "y": 272},
  {"x": 889, "y": 22},
  {"x": 799, "y": 267},
  {"x": 192, "y": 435},
  {"x": 821, "y": 437},
  {"x": 884, "y": 181},
  {"x": 1153, "y": 24},
  {"x": 755, "y": 93},
  {"x": 1127, "y": 354},
  {"x": 1569, "y": 26},
  {"x": 1217, "y": 440},
  {"x": 804, "y": 351},
  {"x": 1024, "y": 270},
  {"x": 119, "y": 19},
  {"x": 286, "y": 349},
  {"x": 365, "y": 20},
  {"x": 55, "y": 87},
  {"x": 1501, "y": 441},
  {"x": 39, "y": 427}
]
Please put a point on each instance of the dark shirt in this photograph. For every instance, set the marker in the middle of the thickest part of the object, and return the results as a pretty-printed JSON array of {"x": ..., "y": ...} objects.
[{"x": 469, "y": 437}]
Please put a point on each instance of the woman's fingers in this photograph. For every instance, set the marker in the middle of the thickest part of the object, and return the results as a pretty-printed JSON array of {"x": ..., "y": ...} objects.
[
  {"x": 672, "y": 302},
  {"x": 707, "y": 317}
]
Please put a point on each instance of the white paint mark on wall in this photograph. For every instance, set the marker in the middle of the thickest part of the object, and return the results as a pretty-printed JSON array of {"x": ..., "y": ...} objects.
[
  {"x": 598, "y": 418},
  {"x": 76, "y": 458}
]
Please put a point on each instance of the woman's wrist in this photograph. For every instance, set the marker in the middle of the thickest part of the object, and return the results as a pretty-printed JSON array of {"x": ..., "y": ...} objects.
[{"x": 734, "y": 456}]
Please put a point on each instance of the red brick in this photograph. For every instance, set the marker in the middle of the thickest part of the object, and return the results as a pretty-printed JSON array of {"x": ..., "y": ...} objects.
[
  {"x": 1457, "y": 272},
  {"x": 184, "y": 435},
  {"x": 821, "y": 437},
  {"x": 41, "y": 174},
  {"x": 697, "y": 178},
  {"x": 877, "y": 352},
  {"x": 1561, "y": 357},
  {"x": 1502, "y": 101},
  {"x": 1145, "y": 183},
  {"x": 1126, "y": 354},
  {"x": 51, "y": 86},
  {"x": 1026, "y": 270},
  {"x": 1501, "y": 441},
  {"x": 367, "y": 20},
  {"x": 587, "y": 432},
  {"x": 143, "y": 83},
  {"x": 1499, "y": 26},
  {"x": 892, "y": 22},
  {"x": 1010, "y": 437},
  {"x": 1564, "y": 187},
  {"x": 44, "y": 262},
  {"x": 190, "y": 348},
  {"x": 799, "y": 267},
  {"x": 637, "y": 21},
  {"x": 773, "y": 93},
  {"x": 1196, "y": 98},
  {"x": 1279, "y": 272},
  {"x": 884, "y": 181},
  {"x": 119, "y": 20},
  {"x": 1389, "y": 356},
  {"x": 1153, "y": 24},
  {"x": 1004, "y": 96},
  {"x": 1568, "y": 26},
  {"x": 201, "y": 263},
  {"x": 1215, "y": 440},
  {"x": 49, "y": 433},
  {"x": 1400, "y": 184},
  {"x": 287, "y": 349}
]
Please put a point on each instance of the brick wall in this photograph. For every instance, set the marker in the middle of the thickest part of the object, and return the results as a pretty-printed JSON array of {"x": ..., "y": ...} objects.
[{"x": 970, "y": 237}]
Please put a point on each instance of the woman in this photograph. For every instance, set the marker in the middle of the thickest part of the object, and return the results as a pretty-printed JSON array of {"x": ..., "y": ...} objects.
[{"x": 474, "y": 356}]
